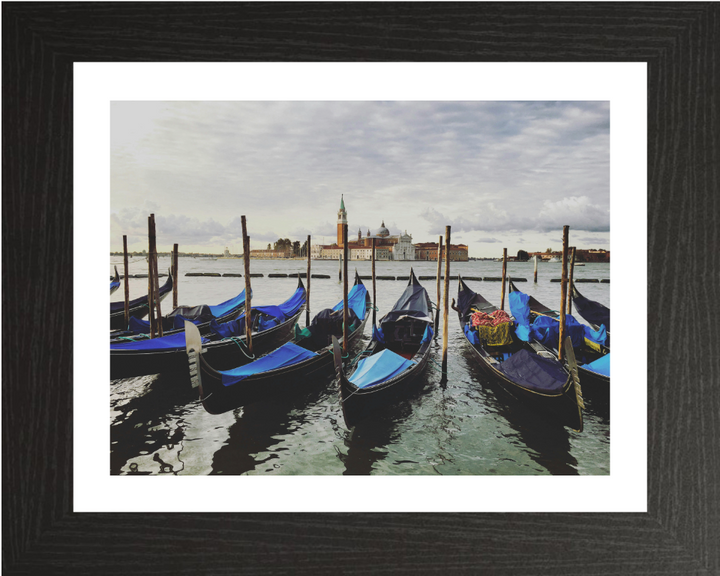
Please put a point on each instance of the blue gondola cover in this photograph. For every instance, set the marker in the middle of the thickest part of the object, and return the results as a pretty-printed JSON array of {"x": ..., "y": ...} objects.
[
  {"x": 228, "y": 306},
  {"x": 534, "y": 372},
  {"x": 286, "y": 355},
  {"x": 356, "y": 300},
  {"x": 472, "y": 335},
  {"x": 600, "y": 366},
  {"x": 427, "y": 335},
  {"x": 195, "y": 314},
  {"x": 520, "y": 309},
  {"x": 147, "y": 345},
  {"x": 378, "y": 335},
  {"x": 378, "y": 368}
]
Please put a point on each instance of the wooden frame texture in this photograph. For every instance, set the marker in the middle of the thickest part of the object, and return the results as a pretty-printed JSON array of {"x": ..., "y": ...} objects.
[{"x": 680, "y": 533}]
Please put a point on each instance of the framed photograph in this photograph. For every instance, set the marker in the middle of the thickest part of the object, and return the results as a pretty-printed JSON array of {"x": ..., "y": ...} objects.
[{"x": 72, "y": 72}]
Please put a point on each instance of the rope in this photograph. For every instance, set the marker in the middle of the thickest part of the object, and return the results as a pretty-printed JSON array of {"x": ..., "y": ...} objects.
[
  {"x": 238, "y": 342},
  {"x": 134, "y": 338},
  {"x": 440, "y": 365},
  {"x": 356, "y": 358}
]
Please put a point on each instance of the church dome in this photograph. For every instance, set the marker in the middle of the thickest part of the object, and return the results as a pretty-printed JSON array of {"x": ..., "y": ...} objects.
[{"x": 382, "y": 231}]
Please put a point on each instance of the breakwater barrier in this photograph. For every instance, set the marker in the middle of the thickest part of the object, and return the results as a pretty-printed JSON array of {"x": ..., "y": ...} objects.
[
  {"x": 327, "y": 276},
  {"x": 586, "y": 280}
]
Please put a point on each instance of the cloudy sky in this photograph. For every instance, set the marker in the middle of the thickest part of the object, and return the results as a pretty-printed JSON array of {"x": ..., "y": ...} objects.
[{"x": 502, "y": 174}]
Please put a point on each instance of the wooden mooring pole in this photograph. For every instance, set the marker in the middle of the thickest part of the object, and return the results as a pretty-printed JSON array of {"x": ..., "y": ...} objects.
[
  {"x": 570, "y": 283},
  {"x": 155, "y": 276},
  {"x": 439, "y": 277},
  {"x": 151, "y": 296},
  {"x": 374, "y": 300},
  {"x": 536, "y": 261},
  {"x": 563, "y": 292},
  {"x": 446, "y": 304},
  {"x": 504, "y": 275},
  {"x": 248, "y": 309},
  {"x": 175, "y": 275},
  {"x": 126, "y": 280},
  {"x": 345, "y": 288},
  {"x": 307, "y": 299}
]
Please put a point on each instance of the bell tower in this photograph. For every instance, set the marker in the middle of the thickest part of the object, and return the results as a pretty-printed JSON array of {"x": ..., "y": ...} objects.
[{"x": 342, "y": 220}]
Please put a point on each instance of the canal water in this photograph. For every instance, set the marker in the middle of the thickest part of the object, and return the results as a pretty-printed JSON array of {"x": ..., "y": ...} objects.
[{"x": 465, "y": 426}]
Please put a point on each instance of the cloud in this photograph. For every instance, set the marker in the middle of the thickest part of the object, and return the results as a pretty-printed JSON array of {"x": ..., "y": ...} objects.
[{"x": 481, "y": 167}]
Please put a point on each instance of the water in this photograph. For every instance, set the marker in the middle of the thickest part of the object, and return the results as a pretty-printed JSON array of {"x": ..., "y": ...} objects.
[{"x": 467, "y": 426}]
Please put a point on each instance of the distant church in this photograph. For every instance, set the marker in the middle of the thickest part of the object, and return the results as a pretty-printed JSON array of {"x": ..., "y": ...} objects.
[{"x": 387, "y": 246}]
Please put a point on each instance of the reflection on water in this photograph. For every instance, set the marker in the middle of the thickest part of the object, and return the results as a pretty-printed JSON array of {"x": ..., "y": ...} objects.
[{"x": 463, "y": 425}]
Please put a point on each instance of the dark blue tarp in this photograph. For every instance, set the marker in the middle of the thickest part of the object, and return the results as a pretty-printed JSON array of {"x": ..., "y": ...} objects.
[
  {"x": 468, "y": 299},
  {"x": 413, "y": 302},
  {"x": 378, "y": 368},
  {"x": 591, "y": 311},
  {"x": 529, "y": 370},
  {"x": 600, "y": 366},
  {"x": 286, "y": 355}
]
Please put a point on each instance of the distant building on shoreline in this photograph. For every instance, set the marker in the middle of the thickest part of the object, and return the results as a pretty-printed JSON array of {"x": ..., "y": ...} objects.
[
  {"x": 387, "y": 246},
  {"x": 429, "y": 251},
  {"x": 590, "y": 255}
]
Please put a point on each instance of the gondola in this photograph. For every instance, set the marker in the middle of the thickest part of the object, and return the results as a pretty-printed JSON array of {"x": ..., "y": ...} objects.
[
  {"x": 226, "y": 344},
  {"x": 138, "y": 307},
  {"x": 201, "y": 315},
  {"x": 394, "y": 359},
  {"x": 115, "y": 284},
  {"x": 592, "y": 312},
  {"x": 308, "y": 356},
  {"x": 526, "y": 372},
  {"x": 590, "y": 345}
]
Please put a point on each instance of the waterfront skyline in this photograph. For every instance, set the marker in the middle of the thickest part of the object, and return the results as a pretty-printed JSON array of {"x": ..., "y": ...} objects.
[{"x": 502, "y": 174}]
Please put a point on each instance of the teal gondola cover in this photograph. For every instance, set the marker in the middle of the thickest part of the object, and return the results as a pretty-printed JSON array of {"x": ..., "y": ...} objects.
[
  {"x": 378, "y": 368},
  {"x": 600, "y": 366},
  {"x": 286, "y": 355}
]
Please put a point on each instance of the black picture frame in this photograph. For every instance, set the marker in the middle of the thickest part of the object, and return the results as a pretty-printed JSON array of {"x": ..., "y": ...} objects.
[{"x": 681, "y": 530}]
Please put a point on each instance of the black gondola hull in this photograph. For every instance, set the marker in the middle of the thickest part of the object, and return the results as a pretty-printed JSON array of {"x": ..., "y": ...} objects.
[
  {"x": 359, "y": 404},
  {"x": 218, "y": 398},
  {"x": 564, "y": 407},
  {"x": 138, "y": 307},
  {"x": 561, "y": 408}
]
